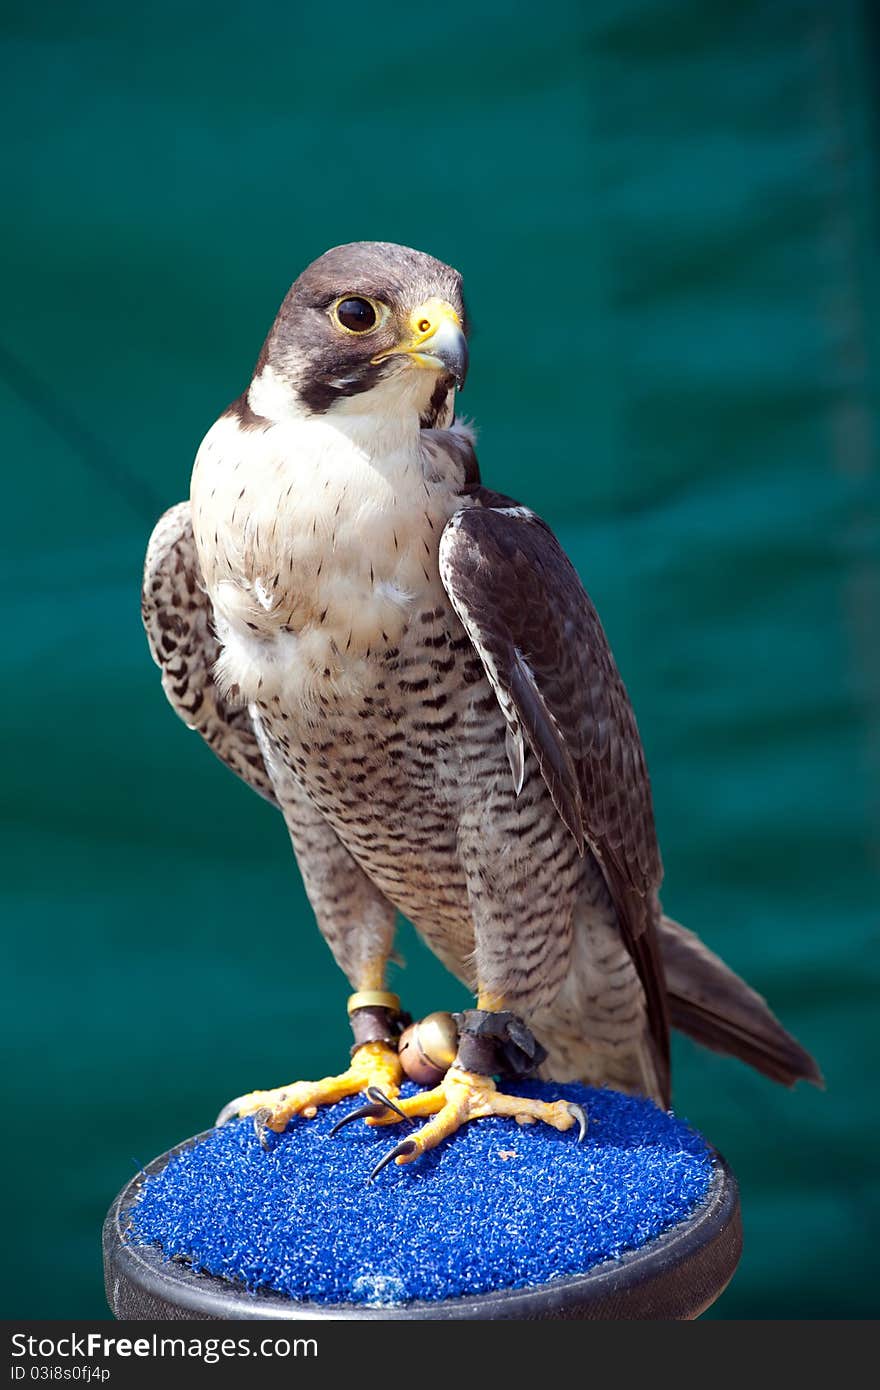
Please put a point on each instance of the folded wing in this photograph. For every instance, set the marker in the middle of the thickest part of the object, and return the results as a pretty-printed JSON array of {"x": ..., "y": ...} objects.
[
  {"x": 178, "y": 621},
  {"x": 546, "y": 655}
]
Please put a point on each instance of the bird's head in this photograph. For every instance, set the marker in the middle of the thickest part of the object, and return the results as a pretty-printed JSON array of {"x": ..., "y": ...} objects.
[{"x": 368, "y": 326}]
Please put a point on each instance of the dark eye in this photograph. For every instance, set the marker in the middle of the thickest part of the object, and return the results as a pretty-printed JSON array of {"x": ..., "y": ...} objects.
[{"x": 357, "y": 315}]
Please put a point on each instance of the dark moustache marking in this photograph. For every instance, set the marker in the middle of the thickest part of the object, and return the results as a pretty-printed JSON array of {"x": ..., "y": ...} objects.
[
  {"x": 247, "y": 419},
  {"x": 318, "y": 395}
]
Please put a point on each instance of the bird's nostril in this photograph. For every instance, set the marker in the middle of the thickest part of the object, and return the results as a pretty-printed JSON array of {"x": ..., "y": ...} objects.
[{"x": 423, "y": 325}]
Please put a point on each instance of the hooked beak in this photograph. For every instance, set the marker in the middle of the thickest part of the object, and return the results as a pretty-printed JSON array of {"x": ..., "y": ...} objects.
[{"x": 437, "y": 341}]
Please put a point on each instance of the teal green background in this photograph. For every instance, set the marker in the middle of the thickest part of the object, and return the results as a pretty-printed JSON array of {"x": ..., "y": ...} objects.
[{"x": 665, "y": 215}]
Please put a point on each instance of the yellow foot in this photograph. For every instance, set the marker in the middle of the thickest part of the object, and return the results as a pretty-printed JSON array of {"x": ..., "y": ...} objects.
[
  {"x": 462, "y": 1096},
  {"x": 375, "y": 1065}
]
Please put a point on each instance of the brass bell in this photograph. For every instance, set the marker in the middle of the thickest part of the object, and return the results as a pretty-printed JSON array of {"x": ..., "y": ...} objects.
[{"x": 427, "y": 1048}]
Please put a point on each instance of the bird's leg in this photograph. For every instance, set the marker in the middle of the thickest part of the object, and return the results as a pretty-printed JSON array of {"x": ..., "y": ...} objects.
[
  {"x": 375, "y": 1021},
  {"x": 491, "y": 1040}
]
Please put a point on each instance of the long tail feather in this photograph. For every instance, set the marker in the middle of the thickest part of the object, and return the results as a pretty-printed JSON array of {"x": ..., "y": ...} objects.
[{"x": 710, "y": 1003}]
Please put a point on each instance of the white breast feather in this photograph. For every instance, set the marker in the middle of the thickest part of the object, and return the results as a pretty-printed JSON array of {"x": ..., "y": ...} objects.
[{"x": 314, "y": 551}]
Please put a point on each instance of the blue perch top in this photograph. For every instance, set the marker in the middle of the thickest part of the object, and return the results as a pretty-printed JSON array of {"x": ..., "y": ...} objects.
[{"x": 498, "y": 1206}]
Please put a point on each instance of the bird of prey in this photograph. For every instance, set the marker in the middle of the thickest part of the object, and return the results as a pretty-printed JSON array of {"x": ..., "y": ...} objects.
[{"x": 406, "y": 663}]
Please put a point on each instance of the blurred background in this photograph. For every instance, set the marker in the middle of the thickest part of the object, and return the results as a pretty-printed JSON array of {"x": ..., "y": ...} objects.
[{"x": 666, "y": 218}]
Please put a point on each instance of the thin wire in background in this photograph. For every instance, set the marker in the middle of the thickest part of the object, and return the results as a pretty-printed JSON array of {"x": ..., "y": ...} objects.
[{"x": 87, "y": 446}]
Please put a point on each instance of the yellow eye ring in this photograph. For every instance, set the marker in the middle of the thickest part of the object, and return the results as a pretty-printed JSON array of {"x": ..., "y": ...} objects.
[{"x": 358, "y": 315}]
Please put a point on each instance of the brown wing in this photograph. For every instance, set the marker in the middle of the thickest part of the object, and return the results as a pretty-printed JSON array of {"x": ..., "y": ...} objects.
[
  {"x": 544, "y": 650},
  {"x": 177, "y": 617}
]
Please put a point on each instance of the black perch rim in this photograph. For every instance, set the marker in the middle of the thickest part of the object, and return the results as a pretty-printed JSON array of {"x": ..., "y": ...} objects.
[{"x": 675, "y": 1276}]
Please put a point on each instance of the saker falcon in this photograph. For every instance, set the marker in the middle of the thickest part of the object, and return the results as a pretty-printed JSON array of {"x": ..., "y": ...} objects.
[{"x": 407, "y": 665}]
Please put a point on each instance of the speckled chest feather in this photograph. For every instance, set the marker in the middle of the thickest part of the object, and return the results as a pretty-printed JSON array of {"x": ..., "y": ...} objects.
[{"x": 395, "y": 764}]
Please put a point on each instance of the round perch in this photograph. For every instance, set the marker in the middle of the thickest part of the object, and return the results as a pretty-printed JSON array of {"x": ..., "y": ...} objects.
[{"x": 640, "y": 1221}]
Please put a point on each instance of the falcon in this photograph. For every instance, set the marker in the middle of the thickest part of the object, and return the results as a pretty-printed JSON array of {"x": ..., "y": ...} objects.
[{"x": 407, "y": 665}]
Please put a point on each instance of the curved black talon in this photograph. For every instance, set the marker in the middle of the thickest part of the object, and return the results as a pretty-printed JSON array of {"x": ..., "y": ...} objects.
[
  {"x": 360, "y": 1113},
  {"x": 379, "y": 1103},
  {"x": 579, "y": 1114},
  {"x": 406, "y": 1146},
  {"x": 374, "y": 1094},
  {"x": 261, "y": 1129}
]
